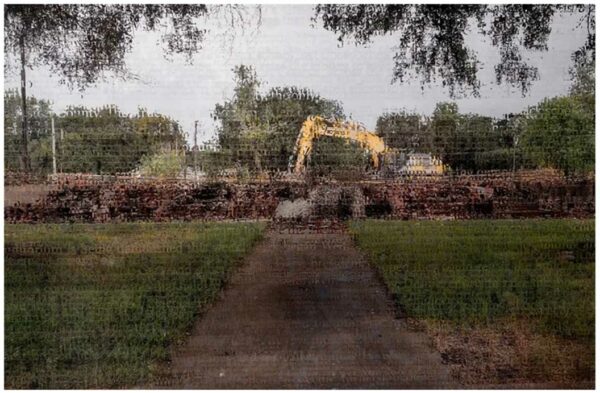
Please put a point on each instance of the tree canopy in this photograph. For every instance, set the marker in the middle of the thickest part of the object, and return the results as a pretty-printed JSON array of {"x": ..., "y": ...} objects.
[
  {"x": 432, "y": 39},
  {"x": 258, "y": 130},
  {"x": 79, "y": 42},
  {"x": 463, "y": 141},
  {"x": 100, "y": 140},
  {"x": 559, "y": 133}
]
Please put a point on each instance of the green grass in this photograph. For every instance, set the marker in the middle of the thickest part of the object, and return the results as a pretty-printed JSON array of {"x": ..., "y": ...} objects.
[
  {"x": 97, "y": 305},
  {"x": 481, "y": 272}
]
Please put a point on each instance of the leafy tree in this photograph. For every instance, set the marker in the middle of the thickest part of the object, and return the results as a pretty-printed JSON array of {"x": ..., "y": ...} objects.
[
  {"x": 404, "y": 131},
  {"x": 238, "y": 116},
  {"x": 584, "y": 79},
  {"x": 38, "y": 119},
  {"x": 559, "y": 133},
  {"x": 480, "y": 144},
  {"x": 432, "y": 38},
  {"x": 470, "y": 142},
  {"x": 444, "y": 131},
  {"x": 165, "y": 164},
  {"x": 106, "y": 141},
  {"x": 257, "y": 130},
  {"x": 285, "y": 109},
  {"x": 508, "y": 154},
  {"x": 213, "y": 162},
  {"x": 583, "y": 75},
  {"x": 337, "y": 157},
  {"x": 255, "y": 144},
  {"x": 100, "y": 140},
  {"x": 81, "y": 42},
  {"x": 463, "y": 141}
]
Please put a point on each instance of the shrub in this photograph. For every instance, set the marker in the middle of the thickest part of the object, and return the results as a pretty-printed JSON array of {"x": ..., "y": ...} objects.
[{"x": 166, "y": 164}]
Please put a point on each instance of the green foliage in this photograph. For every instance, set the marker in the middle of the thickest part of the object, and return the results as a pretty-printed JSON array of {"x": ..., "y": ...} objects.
[
  {"x": 106, "y": 141},
  {"x": 238, "y": 115},
  {"x": 583, "y": 75},
  {"x": 445, "y": 133},
  {"x": 584, "y": 79},
  {"x": 476, "y": 135},
  {"x": 285, "y": 109},
  {"x": 559, "y": 133},
  {"x": 80, "y": 42},
  {"x": 94, "y": 306},
  {"x": 334, "y": 156},
  {"x": 480, "y": 272},
  {"x": 432, "y": 38},
  {"x": 166, "y": 164},
  {"x": 213, "y": 163},
  {"x": 38, "y": 118},
  {"x": 501, "y": 159},
  {"x": 259, "y": 130},
  {"x": 404, "y": 131},
  {"x": 463, "y": 141},
  {"x": 101, "y": 140},
  {"x": 41, "y": 155}
]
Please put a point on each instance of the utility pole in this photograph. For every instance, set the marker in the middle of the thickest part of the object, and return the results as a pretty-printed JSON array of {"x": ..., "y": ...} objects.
[
  {"x": 25, "y": 161},
  {"x": 195, "y": 148},
  {"x": 515, "y": 143},
  {"x": 53, "y": 146},
  {"x": 175, "y": 136},
  {"x": 196, "y": 133},
  {"x": 62, "y": 147}
]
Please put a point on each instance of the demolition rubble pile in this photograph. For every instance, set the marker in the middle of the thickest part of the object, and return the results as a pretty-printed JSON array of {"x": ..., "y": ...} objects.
[
  {"x": 471, "y": 197},
  {"x": 460, "y": 197},
  {"x": 12, "y": 178},
  {"x": 145, "y": 201}
]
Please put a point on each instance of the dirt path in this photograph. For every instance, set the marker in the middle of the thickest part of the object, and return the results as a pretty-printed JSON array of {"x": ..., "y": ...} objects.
[{"x": 305, "y": 311}]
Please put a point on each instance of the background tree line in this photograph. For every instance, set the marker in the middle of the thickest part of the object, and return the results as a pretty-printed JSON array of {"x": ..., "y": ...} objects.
[
  {"x": 556, "y": 133},
  {"x": 99, "y": 140},
  {"x": 257, "y": 131},
  {"x": 81, "y": 43},
  {"x": 466, "y": 142}
]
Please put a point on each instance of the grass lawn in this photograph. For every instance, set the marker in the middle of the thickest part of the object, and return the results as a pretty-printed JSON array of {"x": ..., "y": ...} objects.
[
  {"x": 98, "y": 305},
  {"x": 504, "y": 300}
]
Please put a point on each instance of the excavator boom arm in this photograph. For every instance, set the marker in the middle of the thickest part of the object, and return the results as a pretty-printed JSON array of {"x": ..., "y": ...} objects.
[{"x": 314, "y": 127}]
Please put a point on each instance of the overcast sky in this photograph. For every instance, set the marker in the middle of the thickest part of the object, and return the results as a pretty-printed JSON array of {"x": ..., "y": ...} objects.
[{"x": 287, "y": 50}]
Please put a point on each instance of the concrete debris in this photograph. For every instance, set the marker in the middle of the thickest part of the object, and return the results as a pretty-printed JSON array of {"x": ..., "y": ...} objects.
[
  {"x": 298, "y": 209},
  {"x": 332, "y": 200}
]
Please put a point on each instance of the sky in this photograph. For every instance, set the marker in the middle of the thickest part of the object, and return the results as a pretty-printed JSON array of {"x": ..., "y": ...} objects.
[{"x": 288, "y": 49}]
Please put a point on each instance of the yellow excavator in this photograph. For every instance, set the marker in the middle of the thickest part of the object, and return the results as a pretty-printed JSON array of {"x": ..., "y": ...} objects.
[{"x": 317, "y": 126}]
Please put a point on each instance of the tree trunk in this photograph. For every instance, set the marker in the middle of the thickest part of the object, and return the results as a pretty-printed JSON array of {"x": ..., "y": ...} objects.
[{"x": 25, "y": 163}]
